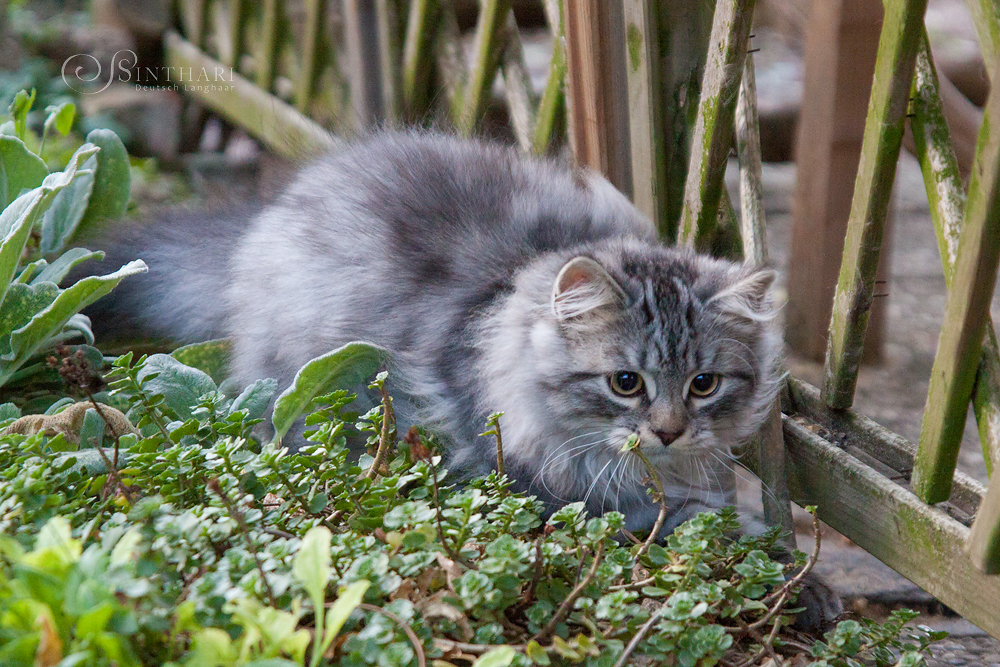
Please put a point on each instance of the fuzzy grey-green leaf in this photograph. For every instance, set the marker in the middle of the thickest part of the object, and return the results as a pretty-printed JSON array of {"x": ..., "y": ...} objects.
[
  {"x": 20, "y": 169},
  {"x": 343, "y": 368},
  {"x": 180, "y": 385}
]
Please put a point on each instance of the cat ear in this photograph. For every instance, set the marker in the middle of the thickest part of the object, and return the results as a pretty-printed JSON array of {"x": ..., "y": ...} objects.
[
  {"x": 583, "y": 286},
  {"x": 748, "y": 297}
]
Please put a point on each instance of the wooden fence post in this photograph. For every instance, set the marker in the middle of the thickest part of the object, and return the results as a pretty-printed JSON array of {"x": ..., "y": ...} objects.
[
  {"x": 841, "y": 43},
  {"x": 595, "y": 85}
]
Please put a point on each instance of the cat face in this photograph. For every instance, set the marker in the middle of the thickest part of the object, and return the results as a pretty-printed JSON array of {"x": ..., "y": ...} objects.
[{"x": 672, "y": 347}]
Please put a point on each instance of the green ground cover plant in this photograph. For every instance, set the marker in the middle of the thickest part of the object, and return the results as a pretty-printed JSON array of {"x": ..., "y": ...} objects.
[{"x": 149, "y": 516}]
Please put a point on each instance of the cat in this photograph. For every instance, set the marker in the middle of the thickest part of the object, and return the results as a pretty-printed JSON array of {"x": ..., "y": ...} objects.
[{"x": 499, "y": 284}]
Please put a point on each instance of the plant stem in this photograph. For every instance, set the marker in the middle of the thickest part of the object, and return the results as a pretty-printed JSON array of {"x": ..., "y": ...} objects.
[{"x": 567, "y": 604}]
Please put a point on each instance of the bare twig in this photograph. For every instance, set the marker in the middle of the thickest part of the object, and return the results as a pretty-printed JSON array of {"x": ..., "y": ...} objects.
[
  {"x": 410, "y": 634},
  {"x": 385, "y": 440},
  {"x": 563, "y": 611},
  {"x": 639, "y": 636},
  {"x": 234, "y": 512},
  {"x": 662, "y": 498},
  {"x": 529, "y": 592}
]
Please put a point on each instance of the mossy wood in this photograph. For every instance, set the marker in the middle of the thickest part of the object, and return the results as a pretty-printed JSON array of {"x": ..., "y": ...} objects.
[
  {"x": 341, "y": 65},
  {"x": 902, "y": 29},
  {"x": 713, "y": 129},
  {"x": 946, "y": 195},
  {"x": 863, "y": 497}
]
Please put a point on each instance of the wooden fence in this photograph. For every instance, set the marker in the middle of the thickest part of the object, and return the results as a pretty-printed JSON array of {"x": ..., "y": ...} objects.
[{"x": 663, "y": 132}]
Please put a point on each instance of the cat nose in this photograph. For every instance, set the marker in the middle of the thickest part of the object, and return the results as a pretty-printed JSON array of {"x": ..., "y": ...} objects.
[{"x": 667, "y": 437}]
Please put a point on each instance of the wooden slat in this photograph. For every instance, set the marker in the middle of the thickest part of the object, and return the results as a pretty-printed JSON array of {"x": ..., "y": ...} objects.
[
  {"x": 387, "y": 17},
  {"x": 713, "y": 131},
  {"x": 841, "y": 43},
  {"x": 902, "y": 28},
  {"x": 277, "y": 124},
  {"x": 365, "y": 70},
  {"x": 237, "y": 28},
  {"x": 986, "y": 17},
  {"x": 417, "y": 56},
  {"x": 517, "y": 86},
  {"x": 965, "y": 315},
  {"x": 770, "y": 445},
  {"x": 268, "y": 58},
  {"x": 310, "y": 56},
  {"x": 983, "y": 545},
  {"x": 552, "y": 105},
  {"x": 921, "y": 542},
  {"x": 486, "y": 51},
  {"x": 649, "y": 175},
  {"x": 596, "y": 111},
  {"x": 946, "y": 194}
]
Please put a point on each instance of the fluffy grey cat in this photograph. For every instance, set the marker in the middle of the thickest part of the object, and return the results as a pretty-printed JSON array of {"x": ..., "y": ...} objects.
[{"x": 500, "y": 284}]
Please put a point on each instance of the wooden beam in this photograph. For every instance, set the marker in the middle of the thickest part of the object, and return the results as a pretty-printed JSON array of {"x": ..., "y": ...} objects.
[
  {"x": 596, "y": 100},
  {"x": 841, "y": 42},
  {"x": 277, "y": 124}
]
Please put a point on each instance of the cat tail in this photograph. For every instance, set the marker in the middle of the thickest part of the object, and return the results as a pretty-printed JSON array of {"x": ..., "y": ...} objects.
[{"x": 183, "y": 297}]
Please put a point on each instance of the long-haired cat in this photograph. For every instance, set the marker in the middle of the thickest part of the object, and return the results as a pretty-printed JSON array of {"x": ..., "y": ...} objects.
[{"x": 499, "y": 284}]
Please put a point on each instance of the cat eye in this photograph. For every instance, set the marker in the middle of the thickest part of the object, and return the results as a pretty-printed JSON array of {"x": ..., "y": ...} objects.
[
  {"x": 704, "y": 385},
  {"x": 625, "y": 383}
]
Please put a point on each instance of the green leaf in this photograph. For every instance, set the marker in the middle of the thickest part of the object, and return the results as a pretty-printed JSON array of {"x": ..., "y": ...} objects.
[
  {"x": 8, "y": 411},
  {"x": 95, "y": 620},
  {"x": 255, "y": 398},
  {"x": 21, "y": 304},
  {"x": 338, "y": 613},
  {"x": 211, "y": 357},
  {"x": 60, "y": 117},
  {"x": 343, "y": 368},
  {"x": 20, "y": 169},
  {"x": 311, "y": 565},
  {"x": 62, "y": 218},
  {"x": 19, "y": 109},
  {"x": 537, "y": 654},
  {"x": 181, "y": 385},
  {"x": 500, "y": 656},
  {"x": 61, "y": 266},
  {"x": 27, "y": 340},
  {"x": 112, "y": 182},
  {"x": 272, "y": 662}
]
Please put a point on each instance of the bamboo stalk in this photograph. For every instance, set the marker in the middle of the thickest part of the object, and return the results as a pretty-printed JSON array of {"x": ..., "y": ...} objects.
[
  {"x": 315, "y": 10},
  {"x": 946, "y": 195},
  {"x": 486, "y": 59},
  {"x": 960, "y": 345},
  {"x": 898, "y": 44},
  {"x": 365, "y": 71},
  {"x": 713, "y": 131},
  {"x": 450, "y": 59},
  {"x": 553, "y": 96},
  {"x": 649, "y": 175},
  {"x": 268, "y": 59},
  {"x": 417, "y": 56}
]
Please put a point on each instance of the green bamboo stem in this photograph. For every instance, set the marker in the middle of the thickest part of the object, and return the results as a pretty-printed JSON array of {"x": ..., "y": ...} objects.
[
  {"x": 965, "y": 315},
  {"x": 983, "y": 544},
  {"x": 450, "y": 58},
  {"x": 268, "y": 57},
  {"x": 713, "y": 130},
  {"x": 902, "y": 29},
  {"x": 315, "y": 10},
  {"x": 417, "y": 56},
  {"x": 947, "y": 201},
  {"x": 486, "y": 50},
  {"x": 553, "y": 97}
]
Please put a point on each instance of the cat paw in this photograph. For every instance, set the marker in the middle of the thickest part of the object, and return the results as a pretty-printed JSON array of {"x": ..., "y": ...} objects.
[{"x": 821, "y": 606}]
